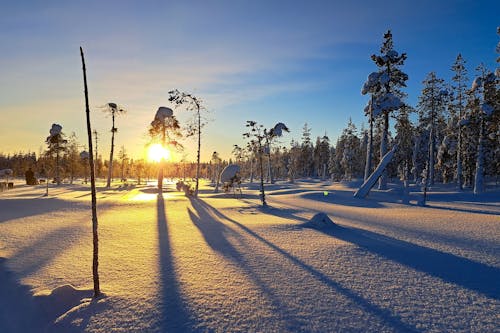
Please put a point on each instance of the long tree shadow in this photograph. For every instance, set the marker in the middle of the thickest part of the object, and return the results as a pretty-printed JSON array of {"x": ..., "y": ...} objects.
[
  {"x": 18, "y": 312},
  {"x": 466, "y": 273},
  {"x": 175, "y": 317},
  {"x": 464, "y": 210},
  {"x": 19, "y": 208},
  {"x": 385, "y": 315},
  {"x": 215, "y": 234}
]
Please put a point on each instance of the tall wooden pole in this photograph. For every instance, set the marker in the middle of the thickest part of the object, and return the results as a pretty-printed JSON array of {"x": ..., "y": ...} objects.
[{"x": 95, "y": 261}]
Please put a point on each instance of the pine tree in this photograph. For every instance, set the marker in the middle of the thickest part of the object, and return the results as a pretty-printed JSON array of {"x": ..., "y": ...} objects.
[
  {"x": 457, "y": 111},
  {"x": 191, "y": 103},
  {"x": 306, "y": 158},
  {"x": 486, "y": 95},
  {"x": 350, "y": 149},
  {"x": 431, "y": 107},
  {"x": 321, "y": 155},
  {"x": 114, "y": 110},
  {"x": 165, "y": 129},
  {"x": 384, "y": 86},
  {"x": 56, "y": 144},
  {"x": 405, "y": 141}
]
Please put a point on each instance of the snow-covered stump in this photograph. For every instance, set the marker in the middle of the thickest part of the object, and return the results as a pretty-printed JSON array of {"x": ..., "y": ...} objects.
[
  {"x": 370, "y": 182},
  {"x": 320, "y": 221}
]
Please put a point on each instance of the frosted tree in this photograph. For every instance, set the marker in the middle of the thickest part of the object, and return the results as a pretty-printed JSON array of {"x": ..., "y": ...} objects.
[
  {"x": 306, "y": 157},
  {"x": 164, "y": 129},
  {"x": 258, "y": 138},
  {"x": 56, "y": 144},
  {"x": 457, "y": 111},
  {"x": 294, "y": 160},
  {"x": 384, "y": 87},
  {"x": 216, "y": 161},
  {"x": 271, "y": 135},
  {"x": 114, "y": 110},
  {"x": 405, "y": 141},
  {"x": 123, "y": 156},
  {"x": 84, "y": 158},
  {"x": 72, "y": 157},
  {"x": 484, "y": 85},
  {"x": 191, "y": 103},
  {"x": 350, "y": 149},
  {"x": 431, "y": 107},
  {"x": 322, "y": 155}
]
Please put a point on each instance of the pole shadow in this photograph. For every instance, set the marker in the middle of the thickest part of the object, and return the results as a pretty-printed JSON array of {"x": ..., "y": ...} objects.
[{"x": 175, "y": 317}]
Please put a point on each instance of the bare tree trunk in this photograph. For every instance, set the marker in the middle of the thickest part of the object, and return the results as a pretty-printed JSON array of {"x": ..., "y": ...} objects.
[
  {"x": 430, "y": 180},
  {"x": 459, "y": 158},
  {"x": 198, "y": 153},
  {"x": 368, "y": 165},
  {"x": 251, "y": 170},
  {"x": 110, "y": 170},
  {"x": 478, "y": 179},
  {"x": 95, "y": 261},
  {"x": 161, "y": 164},
  {"x": 261, "y": 162},
  {"x": 382, "y": 182},
  {"x": 58, "y": 177}
]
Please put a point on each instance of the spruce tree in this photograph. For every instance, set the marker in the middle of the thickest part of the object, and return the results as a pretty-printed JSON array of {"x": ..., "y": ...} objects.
[
  {"x": 431, "y": 108},
  {"x": 384, "y": 85},
  {"x": 457, "y": 110}
]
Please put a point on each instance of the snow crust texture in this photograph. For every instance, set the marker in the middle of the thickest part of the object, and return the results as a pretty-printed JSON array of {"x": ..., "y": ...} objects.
[{"x": 169, "y": 263}]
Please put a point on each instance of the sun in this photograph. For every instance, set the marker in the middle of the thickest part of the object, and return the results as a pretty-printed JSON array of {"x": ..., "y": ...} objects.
[{"x": 157, "y": 152}]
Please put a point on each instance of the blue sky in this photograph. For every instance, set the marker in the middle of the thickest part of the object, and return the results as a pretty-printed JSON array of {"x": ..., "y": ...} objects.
[{"x": 267, "y": 61}]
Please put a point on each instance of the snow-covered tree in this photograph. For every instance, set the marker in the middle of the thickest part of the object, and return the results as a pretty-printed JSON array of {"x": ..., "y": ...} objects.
[
  {"x": 384, "y": 86},
  {"x": 72, "y": 157},
  {"x": 350, "y": 150},
  {"x": 123, "y": 156},
  {"x": 216, "y": 161},
  {"x": 164, "y": 128},
  {"x": 114, "y": 110},
  {"x": 84, "y": 159},
  {"x": 306, "y": 157},
  {"x": 431, "y": 107},
  {"x": 294, "y": 155},
  {"x": 258, "y": 139},
  {"x": 272, "y": 134},
  {"x": 484, "y": 85},
  {"x": 405, "y": 141},
  {"x": 191, "y": 103},
  {"x": 322, "y": 155},
  {"x": 56, "y": 144},
  {"x": 457, "y": 112}
]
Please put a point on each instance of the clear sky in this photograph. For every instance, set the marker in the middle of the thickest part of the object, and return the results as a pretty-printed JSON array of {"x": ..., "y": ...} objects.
[{"x": 268, "y": 61}]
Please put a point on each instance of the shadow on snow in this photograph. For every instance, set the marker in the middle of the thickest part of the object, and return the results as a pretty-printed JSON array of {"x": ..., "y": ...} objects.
[
  {"x": 175, "y": 316},
  {"x": 210, "y": 217},
  {"x": 448, "y": 267}
]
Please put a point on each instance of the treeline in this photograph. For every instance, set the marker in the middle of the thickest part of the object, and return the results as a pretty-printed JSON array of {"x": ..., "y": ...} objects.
[{"x": 451, "y": 135}]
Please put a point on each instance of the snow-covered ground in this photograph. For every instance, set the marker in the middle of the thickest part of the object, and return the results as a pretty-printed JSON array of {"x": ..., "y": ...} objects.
[{"x": 169, "y": 263}]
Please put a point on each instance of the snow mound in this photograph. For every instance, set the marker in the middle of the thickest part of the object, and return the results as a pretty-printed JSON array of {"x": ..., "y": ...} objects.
[
  {"x": 61, "y": 299},
  {"x": 319, "y": 221}
]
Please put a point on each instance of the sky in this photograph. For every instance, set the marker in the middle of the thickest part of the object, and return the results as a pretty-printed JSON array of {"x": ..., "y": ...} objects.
[{"x": 295, "y": 62}]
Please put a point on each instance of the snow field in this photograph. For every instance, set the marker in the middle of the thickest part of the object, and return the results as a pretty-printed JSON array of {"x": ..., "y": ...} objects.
[{"x": 219, "y": 264}]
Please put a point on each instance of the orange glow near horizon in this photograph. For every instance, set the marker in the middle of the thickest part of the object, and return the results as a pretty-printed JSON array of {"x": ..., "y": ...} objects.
[{"x": 157, "y": 152}]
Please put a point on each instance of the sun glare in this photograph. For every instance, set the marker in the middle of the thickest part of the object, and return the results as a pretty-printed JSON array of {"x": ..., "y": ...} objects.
[{"x": 157, "y": 152}]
